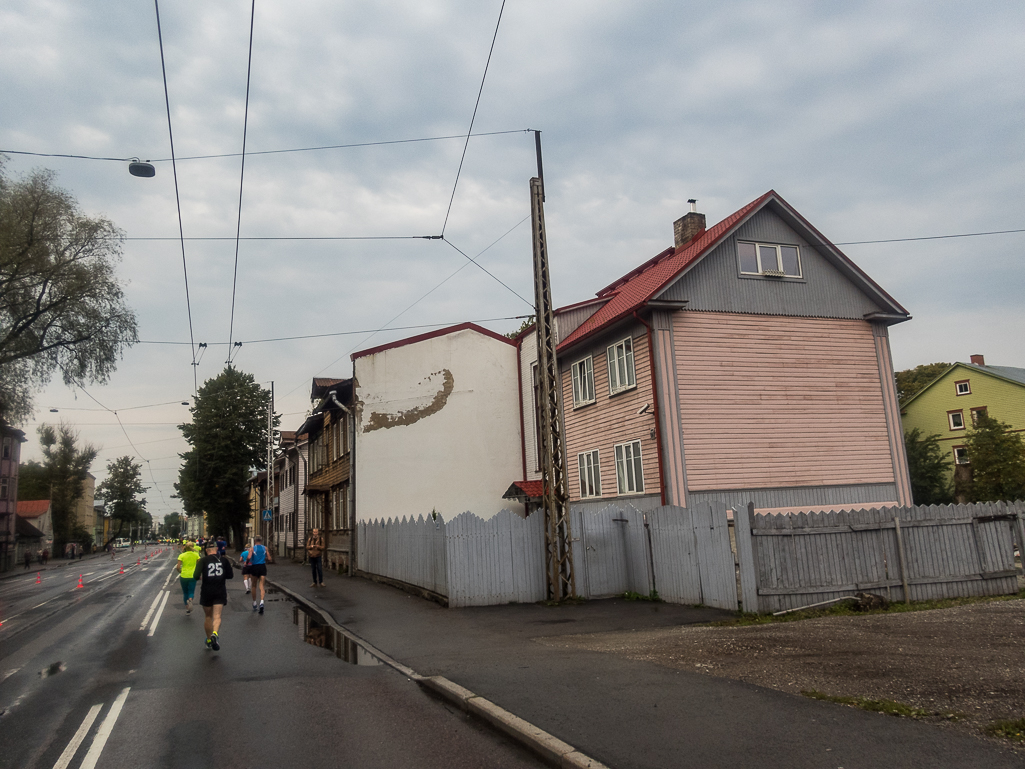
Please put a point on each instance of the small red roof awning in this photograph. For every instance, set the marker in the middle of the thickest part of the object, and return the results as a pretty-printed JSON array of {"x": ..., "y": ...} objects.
[{"x": 522, "y": 491}]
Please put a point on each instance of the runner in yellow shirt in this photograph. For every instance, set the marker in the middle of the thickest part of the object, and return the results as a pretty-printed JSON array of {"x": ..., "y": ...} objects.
[{"x": 187, "y": 566}]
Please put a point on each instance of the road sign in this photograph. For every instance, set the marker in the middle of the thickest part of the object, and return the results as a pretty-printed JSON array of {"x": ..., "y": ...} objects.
[{"x": 268, "y": 515}]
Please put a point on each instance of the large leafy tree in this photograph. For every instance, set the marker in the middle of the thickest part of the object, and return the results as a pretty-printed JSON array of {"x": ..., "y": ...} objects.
[
  {"x": 62, "y": 306},
  {"x": 172, "y": 525},
  {"x": 929, "y": 468},
  {"x": 33, "y": 481},
  {"x": 997, "y": 457},
  {"x": 67, "y": 465},
  {"x": 228, "y": 440},
  {"x": 121, "y": 495},
  {"x": 912, "y": 380}
]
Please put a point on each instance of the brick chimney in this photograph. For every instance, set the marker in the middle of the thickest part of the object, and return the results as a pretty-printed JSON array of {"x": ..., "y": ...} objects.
[
  {"x": 689, "y": 225},
  {"x": 978, "y": 360}
]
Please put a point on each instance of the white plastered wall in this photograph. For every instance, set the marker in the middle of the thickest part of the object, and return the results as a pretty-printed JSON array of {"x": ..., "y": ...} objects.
[{"x": 437, "y": 428}]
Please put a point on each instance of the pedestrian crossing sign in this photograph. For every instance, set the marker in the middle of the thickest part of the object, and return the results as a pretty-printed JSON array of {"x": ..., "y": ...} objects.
[{"x": 268, "y": 515}]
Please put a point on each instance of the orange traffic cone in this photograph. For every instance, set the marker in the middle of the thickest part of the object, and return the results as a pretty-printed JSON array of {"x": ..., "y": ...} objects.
[
  {"x": 39, "y": 577},
  {"x": 122, "y": 569},
  {"x": 79, "y": 582},
  {"x": 138, "y": 562}
]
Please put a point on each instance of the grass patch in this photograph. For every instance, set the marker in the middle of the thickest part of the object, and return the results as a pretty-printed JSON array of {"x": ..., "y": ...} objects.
[
  {"x": 889, "y": 707},
  {"x": 631, "y": 596},
  {"x": 1008, "y": 730},
  {"x": 844, "y": 610}
]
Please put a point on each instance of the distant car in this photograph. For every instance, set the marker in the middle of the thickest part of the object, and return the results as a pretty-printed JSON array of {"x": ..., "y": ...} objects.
[{"x": 121, "y": 542}]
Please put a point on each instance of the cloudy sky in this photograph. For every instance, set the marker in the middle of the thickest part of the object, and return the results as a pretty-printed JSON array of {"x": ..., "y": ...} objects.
[{"x": 876, "y": 120}]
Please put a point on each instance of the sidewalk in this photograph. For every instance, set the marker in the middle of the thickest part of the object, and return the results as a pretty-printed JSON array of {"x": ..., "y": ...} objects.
[{"x": 622, "y": 712}]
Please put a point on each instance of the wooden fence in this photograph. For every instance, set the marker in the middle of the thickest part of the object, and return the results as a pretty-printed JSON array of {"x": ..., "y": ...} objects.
[{"x": 791, "y": 560}]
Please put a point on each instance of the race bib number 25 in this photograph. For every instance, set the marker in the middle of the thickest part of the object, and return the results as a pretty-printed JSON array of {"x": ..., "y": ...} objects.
[{"x": 214, "y": 569}]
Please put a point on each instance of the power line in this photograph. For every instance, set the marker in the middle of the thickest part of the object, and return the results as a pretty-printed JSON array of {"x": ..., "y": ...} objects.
[
  {"x": 177, "y": 197},
  {"x": 353, "y": 145},
  {"x": 328, "y": 237},
  {"x": 927, "y": 237},
  {"x": 241, "y": 178},
  {"x": 469, "y": 130}
]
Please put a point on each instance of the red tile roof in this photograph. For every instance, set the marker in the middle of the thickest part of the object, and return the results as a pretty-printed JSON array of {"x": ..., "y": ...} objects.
[
  {"x": 531, "y": 489},
  {"x": 33, "y": 508},
  {"x": 630, "y": 292}
]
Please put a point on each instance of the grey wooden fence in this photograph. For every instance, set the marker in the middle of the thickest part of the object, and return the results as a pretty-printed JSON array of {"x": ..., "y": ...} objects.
[
  {"x": 790, "y": 560},
  {"x": 682, "y": 553}
]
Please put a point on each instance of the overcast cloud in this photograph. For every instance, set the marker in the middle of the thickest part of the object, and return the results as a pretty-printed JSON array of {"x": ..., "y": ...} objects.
[{"x": 876, "y": 120}]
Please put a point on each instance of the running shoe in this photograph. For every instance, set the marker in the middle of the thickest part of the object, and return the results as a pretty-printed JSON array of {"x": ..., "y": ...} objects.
[
  {"x": 214, "y": 644},
  {"x": 254, "y": 605},
  {"x": 261, "y": 607},
  {"x": 209, "y": 643}
]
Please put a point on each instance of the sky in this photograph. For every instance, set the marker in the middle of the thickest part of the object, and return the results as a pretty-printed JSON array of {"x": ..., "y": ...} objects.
[{"x": 880, "y": 120}]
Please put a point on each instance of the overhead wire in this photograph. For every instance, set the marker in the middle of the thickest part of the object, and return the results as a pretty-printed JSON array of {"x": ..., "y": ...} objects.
[
  {"x": 177, "y": 196},
  {"x": 469, "y": 131},
  {"x": 241, "y": 179}
]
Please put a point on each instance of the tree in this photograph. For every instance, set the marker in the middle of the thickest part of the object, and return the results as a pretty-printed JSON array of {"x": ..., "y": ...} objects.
[
  {"x": 912, "y": 380},
  {"x": 66, "y": 465},
  {"x": 33, "y": 481},
  {"x": 61, "y": 304},
  {"x": 997, "y": 457},
  {"x": 228, "y": 439},
  {"x": 172, "y": 525},
  {"x": 120, "y": 493},
  {"x": 929, "y": 468}
]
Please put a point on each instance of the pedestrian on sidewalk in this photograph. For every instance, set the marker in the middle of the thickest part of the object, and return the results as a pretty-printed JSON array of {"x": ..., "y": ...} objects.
[
  {"x": 258, "y": 570},
  {"x": 187, "y": 567},
  {"x": 28, "y": 559},
  {"x": 315, "y": 551},
  {"x": 212, "y": 571},
  {"x": 46, "y": 556}
]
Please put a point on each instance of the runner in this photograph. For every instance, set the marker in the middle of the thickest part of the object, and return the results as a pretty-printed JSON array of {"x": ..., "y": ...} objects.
[
  {"x": 244, "y": 559},
  {"x": 222, "y": 546},
  {"x": 187, "y": 566},
  {"x": 213, "y": 570},
  {"x": 258, "y": 570}
]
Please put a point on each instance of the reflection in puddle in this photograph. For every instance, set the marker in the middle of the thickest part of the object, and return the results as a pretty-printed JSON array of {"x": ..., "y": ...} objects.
[{"x": 318, "y": 634}]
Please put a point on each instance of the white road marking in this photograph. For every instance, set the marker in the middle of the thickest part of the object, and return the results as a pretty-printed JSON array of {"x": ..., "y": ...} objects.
[
  {"x": 156, "y": 619},
  {"x": 8, "y": 673},
  {"x": 100, "y": 740},
  {"x": 76, "y": 741},
  {"x": 152, "y": 608}
]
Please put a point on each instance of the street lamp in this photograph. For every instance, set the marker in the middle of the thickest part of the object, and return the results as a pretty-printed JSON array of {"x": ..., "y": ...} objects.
[{"x": 142, "y": 168}]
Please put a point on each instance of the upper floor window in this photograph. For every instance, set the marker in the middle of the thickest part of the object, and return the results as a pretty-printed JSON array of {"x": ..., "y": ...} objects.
[
  {"x": 629, "y": 471},
  {"x": 956, "y": 420},
  {"x": 981, "y": 411},
  {"x": 7, "y": 448},
  {"x": 590, "y": 474},
  {"x": 961, "y": 455},
  {"x": 3, "y": 488},
  {"x": 621, "y": 366},
  {"x": 583, "y": 382},
  {"x": 766, "y": 259},
  {"x": 963, "y": 388}
]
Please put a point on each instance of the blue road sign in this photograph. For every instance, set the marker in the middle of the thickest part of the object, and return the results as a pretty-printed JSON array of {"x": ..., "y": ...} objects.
[{"x": 268, "y": 515}]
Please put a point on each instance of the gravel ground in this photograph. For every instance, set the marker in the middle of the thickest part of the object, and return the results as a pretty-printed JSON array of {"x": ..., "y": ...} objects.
[{"x": 968, "y": 661}]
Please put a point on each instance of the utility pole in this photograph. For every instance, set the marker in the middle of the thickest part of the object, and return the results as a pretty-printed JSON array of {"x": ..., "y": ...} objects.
[
  {"x": 270, "y": 462},
  {"x": 558, "y": 553}
]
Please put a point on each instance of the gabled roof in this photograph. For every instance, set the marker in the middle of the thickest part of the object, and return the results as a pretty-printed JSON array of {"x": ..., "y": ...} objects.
[
  {"x": 433, "y": 335},
  {"x": 1007, "y": 373},
  {"x": 634, "y": 290},
  {"x": 322, "y": 386},
  {"x": 33, "y": 508},
  {"x": 523, "y": 491},
  {"x": 24, "y": 529}
]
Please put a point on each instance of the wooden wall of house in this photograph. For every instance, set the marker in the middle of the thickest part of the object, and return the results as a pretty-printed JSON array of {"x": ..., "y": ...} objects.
[
  {"x": 776, "y": 402},
  {"x": 610, "y": 420}
]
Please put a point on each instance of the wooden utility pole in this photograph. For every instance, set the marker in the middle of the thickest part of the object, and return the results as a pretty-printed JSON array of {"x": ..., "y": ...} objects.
[{"x": 558, "y": 551}]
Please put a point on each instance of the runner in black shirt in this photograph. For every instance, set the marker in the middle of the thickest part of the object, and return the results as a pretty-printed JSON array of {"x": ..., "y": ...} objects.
[{"x": 213, "y": 570}]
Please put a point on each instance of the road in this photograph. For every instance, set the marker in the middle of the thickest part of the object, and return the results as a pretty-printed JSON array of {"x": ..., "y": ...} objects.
[{"x": 115, "y": 674}]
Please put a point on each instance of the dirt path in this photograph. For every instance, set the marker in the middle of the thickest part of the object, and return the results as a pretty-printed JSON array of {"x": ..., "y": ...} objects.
[{"x": 968, "y": 660}]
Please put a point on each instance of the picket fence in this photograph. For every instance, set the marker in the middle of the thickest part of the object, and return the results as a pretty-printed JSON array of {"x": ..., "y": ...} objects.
[
  {"x": 682, "y": 554},
  {"x": 918, "y": 553}
]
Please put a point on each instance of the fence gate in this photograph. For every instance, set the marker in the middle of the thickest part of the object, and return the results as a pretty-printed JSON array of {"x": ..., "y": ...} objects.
[{"x": 612, "y": 547}]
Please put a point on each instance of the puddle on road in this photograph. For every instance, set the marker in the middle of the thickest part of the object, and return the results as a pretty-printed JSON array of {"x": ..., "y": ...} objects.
[
  {"x": 52, "y": 670},
  {"x": 316, "y": 633}
]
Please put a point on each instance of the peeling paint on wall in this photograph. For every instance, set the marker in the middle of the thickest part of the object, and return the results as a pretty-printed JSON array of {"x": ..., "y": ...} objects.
[{"x": 383, "y": 421}]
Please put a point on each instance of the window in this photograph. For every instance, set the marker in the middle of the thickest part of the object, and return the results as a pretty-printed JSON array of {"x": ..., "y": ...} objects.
[
  {"x": 590, "y": 474},
  {"x": 956, "y": 420},
  {"x": 963, "y": 388},
  {"x": 583, "y": 382},
  {"x": 621, "y": 366},
  {"x": 765, "y": 259},
  {"x": 3, "y": 488},
  {"x": 976, "y": 413},
  {"x": 7, "y": 448},
  {"x": 960, "y": 455},
  {"x": 629, "y": 473}
]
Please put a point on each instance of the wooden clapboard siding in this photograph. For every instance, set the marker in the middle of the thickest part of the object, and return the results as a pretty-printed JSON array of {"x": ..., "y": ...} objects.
[
  {"x": 610, "y": 420},
  {"x": 774, "y": 401}
]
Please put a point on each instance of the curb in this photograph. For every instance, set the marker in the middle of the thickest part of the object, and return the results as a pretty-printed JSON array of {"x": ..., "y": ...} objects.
[{"x": 549, "y": 748}]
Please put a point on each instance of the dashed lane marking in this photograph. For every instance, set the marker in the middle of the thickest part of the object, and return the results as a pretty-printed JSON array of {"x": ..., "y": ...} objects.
[
  {"x": 156, "y": 619},
  {"x": 100, "y": 740},
  {"x": 76, "y": 741}
]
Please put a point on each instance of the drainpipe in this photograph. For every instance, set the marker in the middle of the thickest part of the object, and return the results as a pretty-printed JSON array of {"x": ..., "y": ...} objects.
[
  {"x": 352, "y": 476},
  {"x": 654, "y": 406},
  {"x": 523, "y": 427}
]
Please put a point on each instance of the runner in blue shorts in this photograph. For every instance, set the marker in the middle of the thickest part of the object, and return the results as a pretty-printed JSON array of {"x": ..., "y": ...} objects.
[{"x": 258, "y": 570}]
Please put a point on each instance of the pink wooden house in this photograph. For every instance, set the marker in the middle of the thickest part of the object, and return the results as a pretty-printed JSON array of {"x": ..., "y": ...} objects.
[{"x": 749, "y": 362}]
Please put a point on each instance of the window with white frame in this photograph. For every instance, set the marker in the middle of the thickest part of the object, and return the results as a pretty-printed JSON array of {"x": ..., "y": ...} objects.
[
  {"x": 629, "y": 473},
  {"x": 960, "y": 455},
  {"x": 583, "y": 382},
  {"x": 621, "y": 366},
  {"x": 963, "y": 388},
  {"x": 768, "y": 259},
  {"x": 956, "y": 420},
  {"x": 977, "y": 413},
  {"x": 590, "y": 474}
]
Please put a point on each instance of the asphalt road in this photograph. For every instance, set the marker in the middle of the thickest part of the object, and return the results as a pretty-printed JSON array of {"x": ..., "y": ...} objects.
[{"x": 115, "y": 674}]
